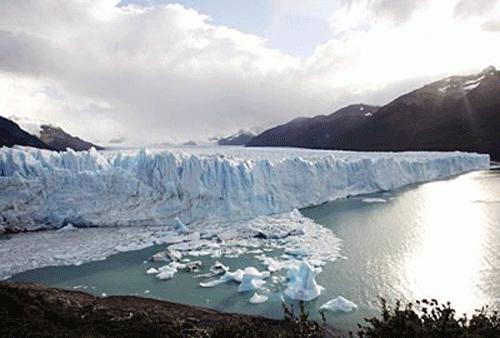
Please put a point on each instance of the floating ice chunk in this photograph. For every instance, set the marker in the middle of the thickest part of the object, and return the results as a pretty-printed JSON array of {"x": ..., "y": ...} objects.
[
  {"x": 258, "y": 299},
  {"x": 254, "y": 273},
  {"x": 248, "y": 274},
  {"x": 374, "y": 200},
  {"x": 339, "y": 304},
  {"x": 215, "y": 282},
  {"x": 218, "y": 268},
  {"x": 274, "y": 265},
  {"x": 187, "y": 267},
  {"x": 250, "y": 283},
  {"x": 68, "y": 227},
  {"x": 152, "y": 271},
  {"x": 171, "y": 238},
  {"x": 133, "y": 246},
  {"x": 297, "y": 252},
  {"x": 166, "y": 272},
  {"x": 167, "y": 256},
  {"x": 302, "y": 284},
  {"x": 236, "y": 276},
  {"x": 180, "y": 227}
]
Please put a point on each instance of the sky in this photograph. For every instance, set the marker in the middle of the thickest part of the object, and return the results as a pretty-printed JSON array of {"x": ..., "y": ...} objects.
[{"x": 157, "y": 71}]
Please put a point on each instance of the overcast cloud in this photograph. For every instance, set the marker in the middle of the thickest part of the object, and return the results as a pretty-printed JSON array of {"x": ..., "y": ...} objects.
[{"x": 165, "y": 72}]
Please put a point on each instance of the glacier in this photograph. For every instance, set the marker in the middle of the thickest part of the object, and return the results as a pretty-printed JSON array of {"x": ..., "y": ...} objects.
[
  {"x": 187, "y": 189},
  {"x": 196, "y": 202}
]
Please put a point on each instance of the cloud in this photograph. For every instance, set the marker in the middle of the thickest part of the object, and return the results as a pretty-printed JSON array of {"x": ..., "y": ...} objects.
[
  {"x": 465, "y": 8},
  {"x": 492, "y": 25},
  {"x": 166, "y": 73}
]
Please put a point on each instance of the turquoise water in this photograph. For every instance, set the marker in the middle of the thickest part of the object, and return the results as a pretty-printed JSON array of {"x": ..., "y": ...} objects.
[{"x": 439, "y": 239}]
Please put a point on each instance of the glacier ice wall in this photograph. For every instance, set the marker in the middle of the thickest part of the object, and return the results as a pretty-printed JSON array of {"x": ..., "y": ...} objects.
[{"x": 42, "y": 189}]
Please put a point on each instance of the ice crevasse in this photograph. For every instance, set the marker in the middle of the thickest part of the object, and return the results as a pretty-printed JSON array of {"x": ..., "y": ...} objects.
[{"x": 43, "y": 189}]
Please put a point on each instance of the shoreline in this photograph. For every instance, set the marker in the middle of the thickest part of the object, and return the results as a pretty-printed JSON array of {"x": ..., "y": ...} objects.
[{"x": 37, "y": 310}]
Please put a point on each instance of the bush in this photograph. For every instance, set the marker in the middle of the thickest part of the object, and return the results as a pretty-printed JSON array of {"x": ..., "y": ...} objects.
[
  {"x": 294, "y": 326},
  {"x": 429, "y": 319}
]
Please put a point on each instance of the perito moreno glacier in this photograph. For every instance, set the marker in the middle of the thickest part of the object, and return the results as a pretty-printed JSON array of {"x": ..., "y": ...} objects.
[{"x": 43, "y": 189}]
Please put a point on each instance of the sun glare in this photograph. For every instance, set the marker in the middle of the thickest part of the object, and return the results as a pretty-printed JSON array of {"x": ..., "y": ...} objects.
[{"x": 448, "y": 259}]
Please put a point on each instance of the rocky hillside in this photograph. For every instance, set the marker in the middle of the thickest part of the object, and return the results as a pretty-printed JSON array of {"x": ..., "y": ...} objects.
[
  {"x": 58, "y": 139},
  {"x": 54, "y": 138},
  {"x": 11, "y": 134},
  {"x": 456, "y": 113},
  {"x": 316, "y": 132}
]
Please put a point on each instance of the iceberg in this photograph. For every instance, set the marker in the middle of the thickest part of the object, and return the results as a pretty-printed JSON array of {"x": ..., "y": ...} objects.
[
  {"x": 152, "y": 271},
  {"x": 258, "y": 299},
  {"x": 250, "y": 283},
  {"x": 215, "y": 282},
  {"x": 250, "y": 279},
  {"x": 302, "y": 284},
  {"x": 43, "y": 189},
  {"x": 166, "y": 256},
  {"x": 339, "y": 304},
  {"x": 166, "y": 272}
]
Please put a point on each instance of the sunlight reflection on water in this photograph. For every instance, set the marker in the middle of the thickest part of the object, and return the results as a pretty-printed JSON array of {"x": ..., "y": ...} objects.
[{"x": 448, "y": 253}]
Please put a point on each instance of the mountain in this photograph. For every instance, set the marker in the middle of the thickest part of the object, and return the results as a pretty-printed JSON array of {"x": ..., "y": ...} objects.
[
  {"x": 58, "y": 139},
  {"x": 11, "y": 134},
  {"x": 318, "y": 131},
  {"x": 241, "y": 138},
  {"x": 456, "y": 113},
  {"x": 55, "y": 137}
]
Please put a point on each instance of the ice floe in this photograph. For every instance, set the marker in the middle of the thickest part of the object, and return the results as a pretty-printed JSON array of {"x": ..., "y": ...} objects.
[
  {"x": 339, "y": 304},
  {"x": 373, "y": 200},
  {"x": 258, "y": 299},
  {"x": 166, "y": 272},
  {"x": 166, "y": 256},
  {"x": 152, "y": 271},
  {"x": 250, "y": 283}
]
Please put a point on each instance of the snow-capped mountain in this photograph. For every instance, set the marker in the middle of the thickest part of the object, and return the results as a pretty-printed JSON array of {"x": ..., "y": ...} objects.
[
  {"x": 55, "y": 137},
  {"x": 456, "y": 113},
  {"x": 240, "y": 138}
]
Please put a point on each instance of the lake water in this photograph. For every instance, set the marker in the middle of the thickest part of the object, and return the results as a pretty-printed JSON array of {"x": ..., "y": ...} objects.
[{"x": 436, "y": 240}]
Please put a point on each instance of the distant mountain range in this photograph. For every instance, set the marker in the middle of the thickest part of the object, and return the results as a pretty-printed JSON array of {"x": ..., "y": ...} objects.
[
  {"x": 240, "y": 138},
  {"x": 38, "y": 134},
  {"x": 456, "y": 113}
]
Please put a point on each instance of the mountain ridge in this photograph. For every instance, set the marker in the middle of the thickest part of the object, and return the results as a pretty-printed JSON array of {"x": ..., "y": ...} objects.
[
  {"x": 39, "y": 134},
  {"x": 456, "y": 113}
]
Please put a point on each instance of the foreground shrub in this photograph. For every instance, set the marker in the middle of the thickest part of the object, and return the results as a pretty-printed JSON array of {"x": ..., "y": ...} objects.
[
  {"x": 429, "y": 319},
  {"x": 295, "y": 325}
]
